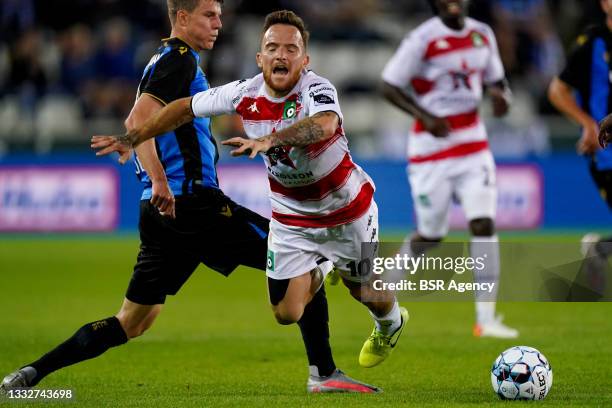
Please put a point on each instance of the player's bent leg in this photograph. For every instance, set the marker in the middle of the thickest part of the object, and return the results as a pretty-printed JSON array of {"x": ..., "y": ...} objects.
[
  {"x": 389, "y": 318},
  {"x": 135, "y": 318},
  {"x": 323, "y": 376},
  {"x": 292, "y": 301},
  {"x": 289, "y": 297},
  {"x": 89, "y": 341}
]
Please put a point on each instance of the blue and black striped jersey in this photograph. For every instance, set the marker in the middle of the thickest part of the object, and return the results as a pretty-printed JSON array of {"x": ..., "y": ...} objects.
[
  {"x": 189, "y": 153},
  {"x": 588, "y": 71}
]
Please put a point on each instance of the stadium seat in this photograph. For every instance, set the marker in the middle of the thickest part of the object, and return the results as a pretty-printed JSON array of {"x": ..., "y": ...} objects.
[{"x": 58, "y": 118}]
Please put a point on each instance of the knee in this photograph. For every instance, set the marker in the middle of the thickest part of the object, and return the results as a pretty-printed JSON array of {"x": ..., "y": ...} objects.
[
  {"x": 482, "y": 227},
  {"x": 285, "y": 314},
  {"x": 133, "y": 327},
  {"x": 420, "y": 244}
]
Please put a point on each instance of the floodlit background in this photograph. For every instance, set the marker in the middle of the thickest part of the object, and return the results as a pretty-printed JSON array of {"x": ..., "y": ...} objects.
[{"x": 69, "y": 69}]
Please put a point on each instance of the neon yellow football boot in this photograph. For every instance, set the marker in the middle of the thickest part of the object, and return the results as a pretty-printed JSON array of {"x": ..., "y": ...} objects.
[{"x": 378, "y": 346}]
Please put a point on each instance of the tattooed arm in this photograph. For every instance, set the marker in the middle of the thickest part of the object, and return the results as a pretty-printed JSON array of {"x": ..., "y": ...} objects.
[
  {"x": 169, "y": 118},
  {"x": 316, "y": 128}
]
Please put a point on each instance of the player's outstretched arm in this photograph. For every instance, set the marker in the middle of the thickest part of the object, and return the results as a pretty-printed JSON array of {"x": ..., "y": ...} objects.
[
  {"x": 169, "y": 118},
  {"x": 316, "y": 128},
  {"x": 562, "y": 97},
  {"x": 438, "y": 127}
]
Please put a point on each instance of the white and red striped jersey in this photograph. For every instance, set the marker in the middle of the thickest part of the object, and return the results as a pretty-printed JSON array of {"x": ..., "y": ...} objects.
[
  {"x": 314, "y": 186},
  {"x": 444, "y": 70}
]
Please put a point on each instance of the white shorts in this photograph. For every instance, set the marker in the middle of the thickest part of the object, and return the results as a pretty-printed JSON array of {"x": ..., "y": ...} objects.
[
  {"x": 470, "y": 180},
  {"x": 294, "y": 251}
]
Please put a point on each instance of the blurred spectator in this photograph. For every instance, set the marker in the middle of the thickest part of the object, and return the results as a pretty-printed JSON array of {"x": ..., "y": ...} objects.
[
  {"x": 27, "y": 76},
  {"x": 339, "y": 20},
  {"x": 16, "y": 16},
  {"x": 527, "y": 42},
  {"x": 78, "y": 67},
  {"x": 94, "y": 50},
  {"x": 115, "y": 59},
  {"x": 115, "y": 70}
]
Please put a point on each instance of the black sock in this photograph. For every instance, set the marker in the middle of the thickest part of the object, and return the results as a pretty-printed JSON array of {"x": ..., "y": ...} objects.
[
  {"x": 315, "y": 332},
  {"x": 604, "y": 247},
  {"x": 88, "y": 342}
]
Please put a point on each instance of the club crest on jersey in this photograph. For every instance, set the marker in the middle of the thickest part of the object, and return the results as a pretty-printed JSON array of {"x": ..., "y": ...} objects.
[
  {"x": 280, "y": 154},
  {"x": 289, "y": 110},
  {"x": 477, "y": 39}
]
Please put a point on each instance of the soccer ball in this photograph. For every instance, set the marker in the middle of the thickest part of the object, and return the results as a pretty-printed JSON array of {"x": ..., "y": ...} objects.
[{"x": 521, "y": 373}]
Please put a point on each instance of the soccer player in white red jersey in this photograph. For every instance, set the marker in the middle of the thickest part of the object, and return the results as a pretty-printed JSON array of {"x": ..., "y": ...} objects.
[
  {"x": 322, "y": 202},
  {"x": 437, "y": 75}
]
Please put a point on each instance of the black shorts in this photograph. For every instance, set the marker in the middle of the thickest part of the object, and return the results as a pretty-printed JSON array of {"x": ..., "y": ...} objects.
[
  {"x": 603, "y": 180},
  {"x": 209, "y": 228}
]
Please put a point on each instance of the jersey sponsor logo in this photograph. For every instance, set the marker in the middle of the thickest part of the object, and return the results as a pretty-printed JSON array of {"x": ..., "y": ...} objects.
[
  {"x": 280, "y": 154},
  {"x": 289, "y": 110},
  {"x": 287, "y": 178},
  {"x": 323, "y": 88},
  {"x": 321, "y": 188},
  {"x": 315, "y": 84},
  {"x": 323, "y": 99}
]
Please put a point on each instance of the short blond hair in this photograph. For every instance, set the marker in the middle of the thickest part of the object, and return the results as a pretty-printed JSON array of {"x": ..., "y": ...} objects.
[{"x": 188, "y": 5}]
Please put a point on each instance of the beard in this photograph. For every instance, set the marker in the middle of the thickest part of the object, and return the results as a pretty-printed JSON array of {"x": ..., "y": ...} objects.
[{"x": 286, "y": 85}]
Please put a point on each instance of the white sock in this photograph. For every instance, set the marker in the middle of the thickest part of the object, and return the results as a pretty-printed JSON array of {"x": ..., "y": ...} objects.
[
  {"x": 396, "y": 274},
  {"x": 390, "y": 322},
  {"x": 486, "y": 248},
  {"x": 485, "y": 312}
]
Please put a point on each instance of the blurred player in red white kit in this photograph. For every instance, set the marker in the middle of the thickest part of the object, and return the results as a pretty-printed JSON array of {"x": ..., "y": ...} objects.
[{"x": 438, "y": 75}]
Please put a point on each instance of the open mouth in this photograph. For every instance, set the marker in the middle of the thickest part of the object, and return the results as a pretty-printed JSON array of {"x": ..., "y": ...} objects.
[{"x": 280, "y": 70}]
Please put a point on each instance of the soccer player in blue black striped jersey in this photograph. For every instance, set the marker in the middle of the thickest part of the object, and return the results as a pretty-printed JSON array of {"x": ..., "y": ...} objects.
[
  {"x": 582, "y": 92},
  {"x": 185, "y": 219}
]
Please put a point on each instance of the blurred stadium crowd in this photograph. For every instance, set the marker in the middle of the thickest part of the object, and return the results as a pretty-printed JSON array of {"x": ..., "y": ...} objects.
[{"x": 69, "y": 68}]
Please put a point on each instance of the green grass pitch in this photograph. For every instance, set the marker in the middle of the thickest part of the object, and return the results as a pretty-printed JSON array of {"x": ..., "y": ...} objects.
[{"x": 217, "y": 344}]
